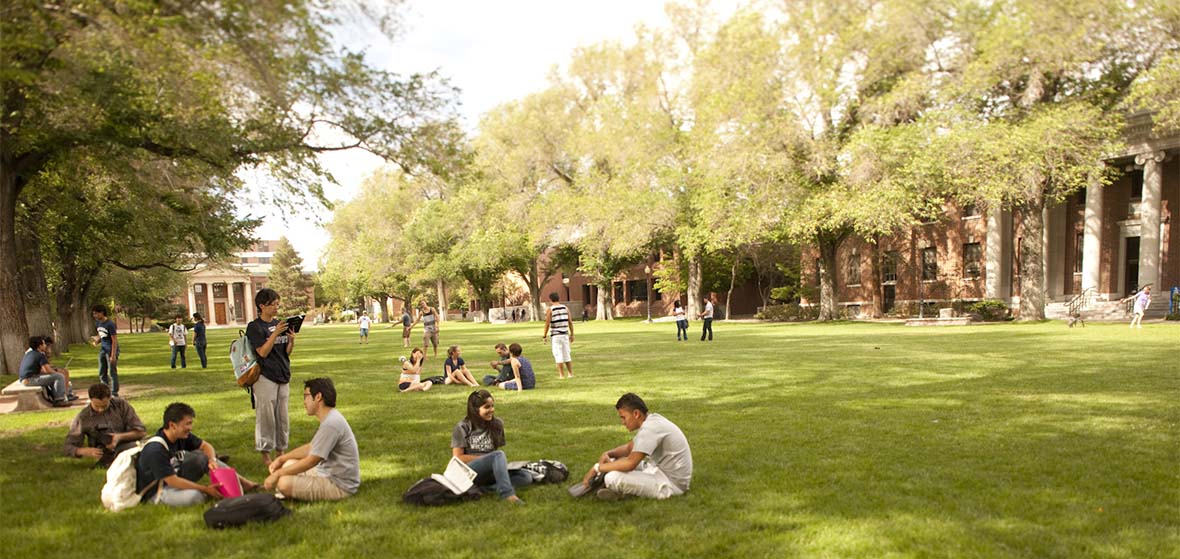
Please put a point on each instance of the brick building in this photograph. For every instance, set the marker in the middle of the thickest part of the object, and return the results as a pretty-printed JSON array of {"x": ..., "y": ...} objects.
[{"x": 1110, "y": 241}]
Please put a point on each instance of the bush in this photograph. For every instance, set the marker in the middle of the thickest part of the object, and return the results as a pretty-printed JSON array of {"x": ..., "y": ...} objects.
[
  {"x": 790, "y": 312},
  {"x": 989, "y": 310}
]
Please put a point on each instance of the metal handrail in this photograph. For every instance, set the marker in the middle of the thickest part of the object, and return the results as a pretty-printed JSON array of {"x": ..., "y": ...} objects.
[{"x": 1081, "y": 301}]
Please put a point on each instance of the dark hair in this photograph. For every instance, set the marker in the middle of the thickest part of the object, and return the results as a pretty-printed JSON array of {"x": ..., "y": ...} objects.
[
  {"x": 99, "y": 391},
  {"x": 553, "y": 296},
  {"x": 180, "y": 316},
  {"x": 515, "y": 349},
  {"x": 99, "y": 308},
  {"x": 197, "y": 317},
  {"x": 495, "y": 427},
  {"x": 324, "y": 387},
  {"x": 176, "y": 412},
  {"x": 265, "y": 296},
  {"x": 631, "y": 401},
  {"x": 501, "y": 346},
  {"x": 676, "y": 304},
  {"x": 35, "y": 342}
]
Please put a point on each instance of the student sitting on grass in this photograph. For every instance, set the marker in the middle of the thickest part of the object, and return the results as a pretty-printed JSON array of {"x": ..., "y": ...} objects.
[
  {"x": 656, "y": 464},
  {"x": 412, "y": 373},
  {"x": 329, "y": 467},
  {"x": 522, "y": 371},
  {"x": 502, "y": 366},
  {"x": 476, "y": 441},
  {"x": 104, "y": 428},
  {"x": 173, "y": 471},
  {"x": 455, "y": 368}
]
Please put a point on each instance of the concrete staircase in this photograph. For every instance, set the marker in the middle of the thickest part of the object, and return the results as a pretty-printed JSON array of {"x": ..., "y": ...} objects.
[{"x": 1112, "y": 311}]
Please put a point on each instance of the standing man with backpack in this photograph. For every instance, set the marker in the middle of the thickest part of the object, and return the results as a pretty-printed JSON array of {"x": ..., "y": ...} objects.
[
  {"x": 560, "y": 330},
  {"x": 108, "y": 348},
  {"x": 272, "y": 342},
  {"x": 178, "y": 335},
  {"x": 174, "y": 461},
  {"x": 329, "y": 467}
]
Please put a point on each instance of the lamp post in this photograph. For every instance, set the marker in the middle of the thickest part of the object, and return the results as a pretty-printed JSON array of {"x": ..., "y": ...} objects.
[{"x": 647, "y": 270}]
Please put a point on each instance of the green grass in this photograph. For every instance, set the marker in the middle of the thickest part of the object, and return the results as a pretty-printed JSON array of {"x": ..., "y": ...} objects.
[{"x": 841, "y": 440}]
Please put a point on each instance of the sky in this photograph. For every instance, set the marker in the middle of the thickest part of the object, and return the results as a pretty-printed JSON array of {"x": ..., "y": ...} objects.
[{"x": 493, "y": 52}]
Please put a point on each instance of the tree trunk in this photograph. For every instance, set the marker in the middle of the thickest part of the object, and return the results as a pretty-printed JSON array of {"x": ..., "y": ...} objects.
[
  {"x": 693, "y": 308},
  {"x": 73, "y": 313},
  {"x": 14, "y": 333},
  {"x": 33, "y": 286},
  {"x": 605, "y": 304},
  {"x": 732, "y": 280},
  {"x": 384, "y": 297},
  {"x": 1032, "y": 262},
  {"x": 533, "y": 279},
  {"x": 877, "y": 288},
  {"x": 827, "y": 277},
  {"x": 441, "y": 286}
]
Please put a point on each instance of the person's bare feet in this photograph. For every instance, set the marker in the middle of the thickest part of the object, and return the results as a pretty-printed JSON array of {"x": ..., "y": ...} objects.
[
  {"x": 266, "y": 460},
  {"x": 514, "y": 500}
]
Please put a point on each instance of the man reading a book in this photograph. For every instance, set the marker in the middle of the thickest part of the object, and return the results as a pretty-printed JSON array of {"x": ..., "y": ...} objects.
[
  {"x": 656, "y": 464},
  {"x": 329, "y": 467}
]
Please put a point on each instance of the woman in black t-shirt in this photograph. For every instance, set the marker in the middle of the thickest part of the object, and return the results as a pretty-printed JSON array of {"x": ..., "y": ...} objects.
[
  {"x": 272, "y": 343},
  {"x": 476, "y": 441}
]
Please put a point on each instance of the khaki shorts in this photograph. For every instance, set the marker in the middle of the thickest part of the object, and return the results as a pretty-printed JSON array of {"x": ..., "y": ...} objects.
[{"x": 310, "y": 486}]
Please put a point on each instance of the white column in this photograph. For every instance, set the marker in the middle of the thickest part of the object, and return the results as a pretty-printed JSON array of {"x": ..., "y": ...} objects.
[
  {"x": 1092, "y": 243},
  {"x": 248, "y": 295},
  {"x": 208, "y": 295},
  {"x": 994, "y": 255},
  {"x": 1150, "y": 210},
  {"x": 192, "y": 299}
]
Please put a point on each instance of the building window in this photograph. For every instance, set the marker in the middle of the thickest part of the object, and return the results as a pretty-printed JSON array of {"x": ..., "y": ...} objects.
[
  {"x": 1080, "y": 197},
  {"x": 245, "y": 260},
  {"x": 971, "y": 210},
  {"x": 889, "y": 267},
  {"x": 972, "y": 259},
  {"x": 199, "y": 288},
  {"x": 929, "y": 264},
  {"x": 618, "y": 285},
  {"x": 852, "y": 277},
  {"x": 637, "y": 290},
  {"x": 1137, "y": 184},
  {"x": 818, "y": 267},
  {"x": 1078, "y": 250},
  {"x": 264, "y": 260},
  {"x": 219, "y": 290}
]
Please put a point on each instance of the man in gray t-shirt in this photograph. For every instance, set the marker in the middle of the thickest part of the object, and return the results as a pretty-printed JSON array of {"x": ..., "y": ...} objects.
[
  {"x": 657, "y": 463},
  {"x": 327, "y": 468}
]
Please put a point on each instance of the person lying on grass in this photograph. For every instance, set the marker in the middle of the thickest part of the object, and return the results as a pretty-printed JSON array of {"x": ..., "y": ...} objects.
[
  {"x": 173, "y": 471},
  {"x": 411, "y": 379},
  {"x": 455, "y": 368},
  {"x": 329, "y": 467},
  {"x": 476, "y": 441},
  {"x": 656, "y": 464}
]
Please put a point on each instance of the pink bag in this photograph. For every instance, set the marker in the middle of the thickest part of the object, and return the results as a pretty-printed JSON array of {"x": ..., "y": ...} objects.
[{"x": 230, "y": 485}]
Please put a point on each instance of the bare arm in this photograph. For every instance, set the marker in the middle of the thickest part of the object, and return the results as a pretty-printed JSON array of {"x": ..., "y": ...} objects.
[
  {"x": 548, "y": 317},
  {"x": 114, "y": 358},
  {"x": 464, "y": 457},
  {"x": 264, "y": 349}
]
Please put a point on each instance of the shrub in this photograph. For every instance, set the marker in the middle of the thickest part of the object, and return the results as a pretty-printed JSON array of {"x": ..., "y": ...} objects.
[
  {"x": 789, "y": 312},
  {"x": 988, "y": 310}
]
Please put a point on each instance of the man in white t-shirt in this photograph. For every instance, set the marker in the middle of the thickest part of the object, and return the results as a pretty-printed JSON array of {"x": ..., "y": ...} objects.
[
  {"x": 656, "y": 464},
  {"x": 178, "y": 339},
  {"x": 364, "y": 323},
  {"x": 706, "y": 317}
]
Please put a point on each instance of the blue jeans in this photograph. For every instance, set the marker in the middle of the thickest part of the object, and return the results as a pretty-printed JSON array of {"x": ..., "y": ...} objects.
[
  {"x": 492, "y": 471},
  {"x": 681, "y": 327},
  {"x": 178, "y": 349},
  {"x": 104, "y": 365},
  {"x": 201, "y": 354},
  {"x": 707, "y": 328},
  {"x": 54, "y": 381}
]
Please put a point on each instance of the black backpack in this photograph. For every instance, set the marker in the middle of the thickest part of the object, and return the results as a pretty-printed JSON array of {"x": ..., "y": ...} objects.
[
  {"x": 258, "y": 507},
  {"x": 543, "y": 471},
  {"x": 430, "y": 493}
]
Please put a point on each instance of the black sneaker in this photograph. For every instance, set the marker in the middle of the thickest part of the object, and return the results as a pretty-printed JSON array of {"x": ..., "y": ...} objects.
[{"x": 61, "y": 404}]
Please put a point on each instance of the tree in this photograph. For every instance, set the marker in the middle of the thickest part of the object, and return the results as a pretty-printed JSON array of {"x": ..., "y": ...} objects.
[
  {"x": 286, "y": 277},
  {"x": 227, "y": 84}
]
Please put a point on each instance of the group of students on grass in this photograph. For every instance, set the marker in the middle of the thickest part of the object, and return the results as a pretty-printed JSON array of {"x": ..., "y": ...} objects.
[{"x": 657, "y": 463}]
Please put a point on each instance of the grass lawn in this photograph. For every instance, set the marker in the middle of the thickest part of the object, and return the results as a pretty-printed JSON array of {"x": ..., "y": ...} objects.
[{"x": 841, "y": 440}]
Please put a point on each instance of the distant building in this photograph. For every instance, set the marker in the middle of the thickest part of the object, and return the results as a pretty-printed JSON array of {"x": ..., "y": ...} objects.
[{"x": 224, "y": 293}]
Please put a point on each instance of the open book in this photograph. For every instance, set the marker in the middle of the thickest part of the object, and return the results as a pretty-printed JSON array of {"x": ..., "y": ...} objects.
[{"x": 458, "y": 477}]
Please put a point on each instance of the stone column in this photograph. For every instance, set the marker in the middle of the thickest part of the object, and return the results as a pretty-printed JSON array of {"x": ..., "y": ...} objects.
[
  {"x": 208, "y": 294},
  {"x": 1092, "y": 243},
  {"x": 248, "y": 296},
  {"x": 192, "y": 298},
  {"x": 997, "y": 255},
  {"x": 1150, "y": 209}
]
